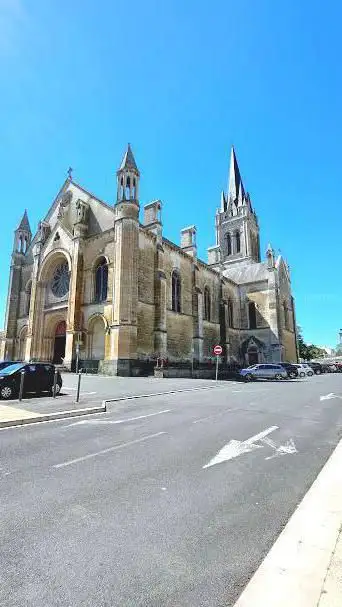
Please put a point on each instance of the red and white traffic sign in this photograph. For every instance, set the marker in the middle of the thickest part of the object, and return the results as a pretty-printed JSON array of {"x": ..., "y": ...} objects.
[{"x": 217, "y": 350}]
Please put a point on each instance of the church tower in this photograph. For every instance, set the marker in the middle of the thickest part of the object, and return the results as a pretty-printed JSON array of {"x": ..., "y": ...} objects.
[
  {"x": 237, "y": 229},
  {"x": 125, "y": 284},
  {"x": 21, "y": 243}
]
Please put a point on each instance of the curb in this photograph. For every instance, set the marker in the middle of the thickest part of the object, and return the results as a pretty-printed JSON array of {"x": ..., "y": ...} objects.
[
  {"x": 294, "y": 571},
  {"x": 131, "y": 397},
  {"x": 48, "y": 417}
]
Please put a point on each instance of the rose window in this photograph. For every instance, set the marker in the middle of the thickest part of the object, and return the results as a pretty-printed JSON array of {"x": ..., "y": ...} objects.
[{"x": 60, "y": 280}]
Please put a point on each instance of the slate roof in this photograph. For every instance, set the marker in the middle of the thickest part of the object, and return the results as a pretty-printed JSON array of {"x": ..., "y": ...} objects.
[
  {"x": 243, "y": 273},
  {"x": 128, "y": 161},
  {"x": 24, "y": 224}
]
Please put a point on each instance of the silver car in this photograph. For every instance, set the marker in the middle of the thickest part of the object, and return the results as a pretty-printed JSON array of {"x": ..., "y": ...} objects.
[{"x": 264, "y": 371}]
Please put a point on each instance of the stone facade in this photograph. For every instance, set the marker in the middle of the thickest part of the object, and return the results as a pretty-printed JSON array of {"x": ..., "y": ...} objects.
[{"x": 95, "y": 284}]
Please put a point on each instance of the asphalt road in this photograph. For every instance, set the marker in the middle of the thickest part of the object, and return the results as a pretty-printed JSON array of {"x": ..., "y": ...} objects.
[{"x": 119, "y": 510}]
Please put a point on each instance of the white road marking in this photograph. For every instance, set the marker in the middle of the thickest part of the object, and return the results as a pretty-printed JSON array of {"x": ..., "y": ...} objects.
[
  {"x": 288, "y": 449},
  {"x": 203, "y": 419},
  {"x": 235, "y": 448},
  {"x": 115, "y": 448},
  {"x": 329, "y": 396},
  {"x": 119, "y": 421}
]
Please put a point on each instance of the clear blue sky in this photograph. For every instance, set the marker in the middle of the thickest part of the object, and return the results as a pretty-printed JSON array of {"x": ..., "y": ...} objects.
[{"x": 182, "y": 81}]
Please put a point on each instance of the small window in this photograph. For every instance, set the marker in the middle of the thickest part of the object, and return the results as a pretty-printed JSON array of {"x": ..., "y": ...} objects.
[
  {"x": 286, "y": 316},
  {"x": 176, "y": 291},
  {"x": 238, "y": 241},
  {"x": 229, "y": 244},
  {"x": 252, "y": 315},
  {"x": 230, "y": 312},
  {"x": 207, "y": 304},
  {"x": 101, "y": 281}
]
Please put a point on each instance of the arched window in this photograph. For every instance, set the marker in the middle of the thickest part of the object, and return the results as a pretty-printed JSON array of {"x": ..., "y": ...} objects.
[
  {"x": 230, "y": 312},
  {"x": 128, "y": 188},
  {"x": 229, "y": 244},
  {"x": 252, "y": 315},
  {"x": 286, "y": 315},
  {"x": 207, "y": 304},
  {"x": 101, "y": 281},
  {"x": 176, "y": 291},
  {"x": 238, "y": 241}
]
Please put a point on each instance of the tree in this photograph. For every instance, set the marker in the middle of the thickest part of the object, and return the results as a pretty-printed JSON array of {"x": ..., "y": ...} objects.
[{"x": 308, "y": 351}]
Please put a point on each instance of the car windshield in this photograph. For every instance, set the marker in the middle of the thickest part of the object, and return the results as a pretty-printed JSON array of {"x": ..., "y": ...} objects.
[
  {"x": 252, "y": 366},
  {"x": 11, "y": 369}
]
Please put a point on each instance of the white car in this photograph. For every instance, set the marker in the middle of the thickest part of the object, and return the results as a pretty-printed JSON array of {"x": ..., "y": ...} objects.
[{"x": 304, "y": 370}]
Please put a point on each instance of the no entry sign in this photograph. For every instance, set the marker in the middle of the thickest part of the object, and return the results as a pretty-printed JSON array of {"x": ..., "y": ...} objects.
[{"x": 217, "y": 350}]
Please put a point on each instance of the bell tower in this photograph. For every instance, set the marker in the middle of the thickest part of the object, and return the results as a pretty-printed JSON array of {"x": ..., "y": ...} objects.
[
  {"x": 21, "y": 243},
  {"x": 237, "y": 229},
  {"x": 123, "y": 331}
]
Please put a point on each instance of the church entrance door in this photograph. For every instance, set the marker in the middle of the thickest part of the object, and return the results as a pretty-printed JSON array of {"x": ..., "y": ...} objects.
[
  {"x": 59, "y": 346},
  {"x": 253, "y": 357}
]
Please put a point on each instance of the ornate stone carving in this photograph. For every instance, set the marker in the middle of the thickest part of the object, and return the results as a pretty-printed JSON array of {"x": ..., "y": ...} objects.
[{"x": 64, "y": 202}]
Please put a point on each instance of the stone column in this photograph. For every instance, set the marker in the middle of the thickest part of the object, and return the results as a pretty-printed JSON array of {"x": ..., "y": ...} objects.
[
  {"x": 160, "y": 330},
  {"x": 123, "y": 342},
  {"x": 227, "y": 337},
  {"x": 73, "y": 326},
  {"x": 34, "y": 314},
  {"x": 197, "y": 316}
]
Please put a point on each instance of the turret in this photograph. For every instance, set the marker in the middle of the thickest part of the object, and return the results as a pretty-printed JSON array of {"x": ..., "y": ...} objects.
[
  {"x": 128, "y": 179},
  {"x": 22, "y": 236}
]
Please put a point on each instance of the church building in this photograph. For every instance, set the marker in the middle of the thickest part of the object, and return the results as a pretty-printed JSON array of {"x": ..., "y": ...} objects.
[{"x": 97, "y": 282}]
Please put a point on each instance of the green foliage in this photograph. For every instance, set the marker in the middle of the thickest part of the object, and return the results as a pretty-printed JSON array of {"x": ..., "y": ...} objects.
[{"x": 308, "y": 351}]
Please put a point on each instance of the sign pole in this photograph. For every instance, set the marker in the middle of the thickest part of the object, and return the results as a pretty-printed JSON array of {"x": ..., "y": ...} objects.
[{"x": 217, "y": 351}]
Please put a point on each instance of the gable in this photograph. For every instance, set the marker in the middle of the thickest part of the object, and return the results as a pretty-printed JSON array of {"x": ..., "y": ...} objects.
[{"x": 59, "y": 238}]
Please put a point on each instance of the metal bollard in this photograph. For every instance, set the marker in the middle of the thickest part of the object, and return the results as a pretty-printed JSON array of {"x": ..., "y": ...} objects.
[
  {"x": 54, "y": 383},
  {"x": 21, "y": 387},
  {"x": 78, "y": 388}
]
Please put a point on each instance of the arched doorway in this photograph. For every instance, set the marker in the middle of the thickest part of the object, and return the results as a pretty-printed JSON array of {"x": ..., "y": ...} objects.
[
  {"x": 96, "y": 343},
  {"x": 59, "y": 345},
  {"x": 253, "y": 355},
  {"x": 22, "y": 343}
]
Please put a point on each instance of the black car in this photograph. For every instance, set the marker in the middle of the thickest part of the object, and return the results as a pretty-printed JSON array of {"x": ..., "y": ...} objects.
[
  {"x": 7, "y": 363},
  {"x": 291, "y": 369},
  {"x": 317, "y": 368},
  {"x": 39, "y": 377}
]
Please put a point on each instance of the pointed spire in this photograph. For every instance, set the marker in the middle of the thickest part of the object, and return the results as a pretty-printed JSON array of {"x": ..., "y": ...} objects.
[
  {"x": 223, "y": 202},
  {"x": 24, "y": 225},
  {"x": 128, "y": 161},
  {"x": 234, "y": 177},
  {"x": 241, "y": 195}
]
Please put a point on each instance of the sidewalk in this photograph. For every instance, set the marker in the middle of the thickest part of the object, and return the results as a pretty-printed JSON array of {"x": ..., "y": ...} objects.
[
  {"x": 304, "y": 566},
  {"x": 331, "y": 595},
  {"x": 33, "y": 410}
]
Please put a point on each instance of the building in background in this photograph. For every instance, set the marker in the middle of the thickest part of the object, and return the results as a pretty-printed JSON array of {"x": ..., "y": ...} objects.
[{"x": 94, "y": 279}]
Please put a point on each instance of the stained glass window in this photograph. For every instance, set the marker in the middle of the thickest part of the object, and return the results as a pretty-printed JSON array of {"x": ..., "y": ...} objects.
[{"x": 60, "y": 280}]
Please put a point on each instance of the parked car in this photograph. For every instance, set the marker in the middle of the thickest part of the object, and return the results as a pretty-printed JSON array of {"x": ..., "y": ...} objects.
[
  {"x": 7, "y": 363},
  {"x": 317, "y": 368},
  {"x": 265, "y": 371},
  {"x": 304, "y": 370},
  {"x": 39, "y": 377},
  {"x": 291, "y": 369}
]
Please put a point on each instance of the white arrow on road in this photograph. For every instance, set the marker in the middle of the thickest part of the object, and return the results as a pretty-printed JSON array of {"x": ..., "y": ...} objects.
[
  {"x": 286, "y": 449},
  {"x": 235, "y": 447},
  {"x": 329, "y": 396}
]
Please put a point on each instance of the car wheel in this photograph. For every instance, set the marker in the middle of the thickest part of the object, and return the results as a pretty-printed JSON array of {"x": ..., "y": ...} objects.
[
  {"x": 7, "y": 392},
  {"x": 310, "y": 374},
  {"x": 58, "y": 388},
  {"x": 249, "y": 377},
  {"x": 318, "y": 371},
  {"x": 301, "y": 374},
  {"x": 278, "y": 376},
  {"x": 292, "y": 375}
]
